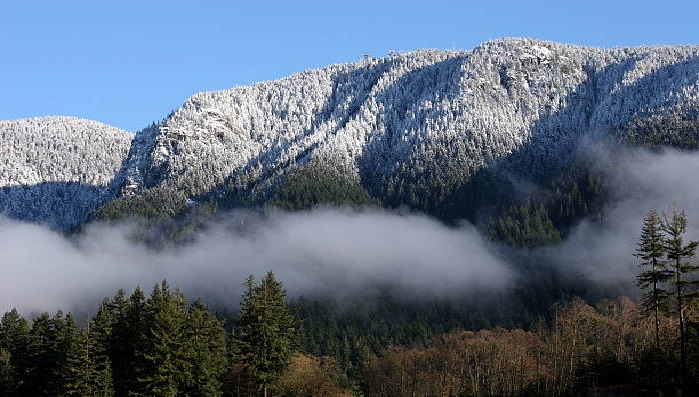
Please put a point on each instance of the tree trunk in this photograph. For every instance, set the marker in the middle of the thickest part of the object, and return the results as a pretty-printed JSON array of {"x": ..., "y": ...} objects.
[{"x": 683, "y": 336}]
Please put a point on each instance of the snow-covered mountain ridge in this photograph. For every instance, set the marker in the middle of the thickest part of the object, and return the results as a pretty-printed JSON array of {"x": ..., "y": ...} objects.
[
  {"x": 403, "y": 125},
  {"x": 427, "y": 114},
  {"x": 58, "y": 170}
]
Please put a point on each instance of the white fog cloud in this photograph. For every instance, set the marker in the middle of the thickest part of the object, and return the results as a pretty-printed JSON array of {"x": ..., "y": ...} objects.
[{"x": 329, "y": 251}]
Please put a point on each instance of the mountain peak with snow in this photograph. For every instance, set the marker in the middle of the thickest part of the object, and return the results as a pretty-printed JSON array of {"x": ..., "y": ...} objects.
[{"x": 414, "y": 124}]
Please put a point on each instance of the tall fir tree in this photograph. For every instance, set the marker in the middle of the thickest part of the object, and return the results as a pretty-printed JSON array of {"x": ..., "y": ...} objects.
[
  {"x": 165, "y": 366},
  {"x": 679, "y": 253},
  {"x": 100, "y": 332},
  {"x": 88, "y": 371},
  {"x": 206, "y": 351},
  {"x": 14, "y": 334},
  {"x": 88, "y": 367},
  {"x": 651, "y": 251},
  {"x": 265, "y": 333},
  {"x": 7, "y": 374},
  {"x": 127, "y": 330}
]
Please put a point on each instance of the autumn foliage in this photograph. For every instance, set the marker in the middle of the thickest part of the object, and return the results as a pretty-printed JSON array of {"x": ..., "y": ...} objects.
[{"x": 584, "y": 348}]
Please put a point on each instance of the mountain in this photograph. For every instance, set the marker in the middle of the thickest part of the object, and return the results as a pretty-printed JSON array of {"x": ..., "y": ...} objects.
[
  {"x": 415, "y": 128},
  {"x": 58, "y": 170}
]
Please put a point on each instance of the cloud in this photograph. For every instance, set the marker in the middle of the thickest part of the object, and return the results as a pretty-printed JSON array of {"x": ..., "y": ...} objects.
[
  {"x": 638, "y": 181},
  {"x": 340, "y": 252}
]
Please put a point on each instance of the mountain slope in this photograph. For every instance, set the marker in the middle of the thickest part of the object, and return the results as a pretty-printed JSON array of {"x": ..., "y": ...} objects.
[
  {"x": 58, "y": 170},
  {"x": 412, "y": 128},
  {"x": 425, "y": 118}
]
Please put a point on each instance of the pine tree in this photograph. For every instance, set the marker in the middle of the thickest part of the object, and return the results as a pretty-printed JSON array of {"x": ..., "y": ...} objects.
[
  {"x": 63, "y": 344},
  {"x": 678, "y": 253},
  {"x": 100, "y": 331},
  {"x": 206, "y": 351},
  {"x": 37, "y": 367},
  {"x": 166, "y": 367},
  {"x": 49, "y": 342},
  {"x": 88, "y": 368},
  {"x": 651, "y": 250},
  {"x": 7, "y": 374},
  {"x": 14, "y": 333},
  {"x": 127, "y": 332},
  {"x": 265, "y": 332}
]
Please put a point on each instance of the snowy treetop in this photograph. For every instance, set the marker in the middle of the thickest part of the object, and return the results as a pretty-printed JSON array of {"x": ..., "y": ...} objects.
[{"x": 426, "y": 118}]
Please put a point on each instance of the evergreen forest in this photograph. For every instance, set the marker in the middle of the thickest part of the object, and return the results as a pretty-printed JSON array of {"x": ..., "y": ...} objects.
[{"x": 164, "y": 344}]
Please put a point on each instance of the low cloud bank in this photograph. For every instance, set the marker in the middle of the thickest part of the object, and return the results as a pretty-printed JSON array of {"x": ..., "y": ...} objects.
[
  {"x": 638, "y": 180},
  {"x": 339, "y": 252},
  {"x": 328, "y": 251}
]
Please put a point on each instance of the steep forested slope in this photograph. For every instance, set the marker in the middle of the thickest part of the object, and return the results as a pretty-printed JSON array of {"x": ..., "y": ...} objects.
[
  {"x": 57, "y": 170},
  {"x": 413, "y": 128},
  {"x": 427, "y": 129}
]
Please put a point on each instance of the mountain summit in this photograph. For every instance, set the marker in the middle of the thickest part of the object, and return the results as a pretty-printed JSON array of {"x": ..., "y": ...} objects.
[{"x": 407, "y": 128}]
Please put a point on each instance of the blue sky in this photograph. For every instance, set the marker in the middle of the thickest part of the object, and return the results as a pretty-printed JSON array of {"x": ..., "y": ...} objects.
[{"x": 127, "y": 63}]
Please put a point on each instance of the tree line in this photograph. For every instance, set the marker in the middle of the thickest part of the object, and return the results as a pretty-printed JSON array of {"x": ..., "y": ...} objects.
[
  {"x": 161, "y": 346},
  {"x": 617, "y": 347}
]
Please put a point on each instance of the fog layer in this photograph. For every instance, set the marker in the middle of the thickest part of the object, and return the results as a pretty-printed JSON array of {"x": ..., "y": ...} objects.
[
  {"x": 638, "y": 180},
  {"x": 328, "y": 251},
  {"x": 338, "y": 252}
]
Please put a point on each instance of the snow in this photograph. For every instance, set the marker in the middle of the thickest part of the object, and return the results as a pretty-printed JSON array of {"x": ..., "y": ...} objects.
[
  {"x": 58, "y": 169},
  {"x": 423, "y": 117}
]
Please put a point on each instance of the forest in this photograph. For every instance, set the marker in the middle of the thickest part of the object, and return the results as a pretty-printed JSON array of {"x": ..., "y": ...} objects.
[{"x": 164, "y": 344}]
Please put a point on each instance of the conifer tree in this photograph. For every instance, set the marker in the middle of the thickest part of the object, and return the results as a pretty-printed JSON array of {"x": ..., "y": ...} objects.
[
  {"x": 678, "y": 253},
  {"x": 100, "y": 331},
  {"x": 88, "y": 368},
  {"x": 206, "y": 351},
  {"x": 7, "y": 374},
  {"x": 265, "y": 332},
  {"x": 14, "y": 333},
  {"x": 49, "y": 342},
  {"x": 165, "y": 365},
  {"x": 64, "y": 342},
  {"x": 127, "y": 330},
  {"x": 651, "y": 250}
]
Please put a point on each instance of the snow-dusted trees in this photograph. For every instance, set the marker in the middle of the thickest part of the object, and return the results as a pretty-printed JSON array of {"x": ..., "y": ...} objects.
[
  {"x": 415, "y": 116},
  {"x": 402, "y": 125},
  {"x": 57, "y": 170}
]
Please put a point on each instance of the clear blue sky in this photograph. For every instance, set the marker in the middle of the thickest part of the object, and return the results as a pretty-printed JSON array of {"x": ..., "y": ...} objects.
[{"x": 127, "y": 63}]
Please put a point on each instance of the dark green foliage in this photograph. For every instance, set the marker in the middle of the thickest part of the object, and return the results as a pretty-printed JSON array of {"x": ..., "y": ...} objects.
[
  {"x": 313, "y": 185},
  {"x": 128, "y": 317},
  {"x": 547, "y": 214},
  {"x": 8, "y": 383},
  {"x": 670, "y": 279},
  {"x": 165, "y": 217},
  {"x": 88, "y": 368},
  {"x": 579, "y": 192},
  {"x": 678, "y": 254},
  {"x": 155, "y": 203},
  {"x": 651, "y": 251},
  {"x": 361, "y": 326},
  {"x": 265, "y": 332},
  {"x": 678, "y": 130},
  {"x": 49, "y": 344},
  {"x": 130, "y": 347},
  {"x": 164, "y": 366},
  {"x": 475, "y": 199},
  {"x": 524, "y": 225},
  {"x": 205, "y": 348},
  {"x": 14, "y": 338}
]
